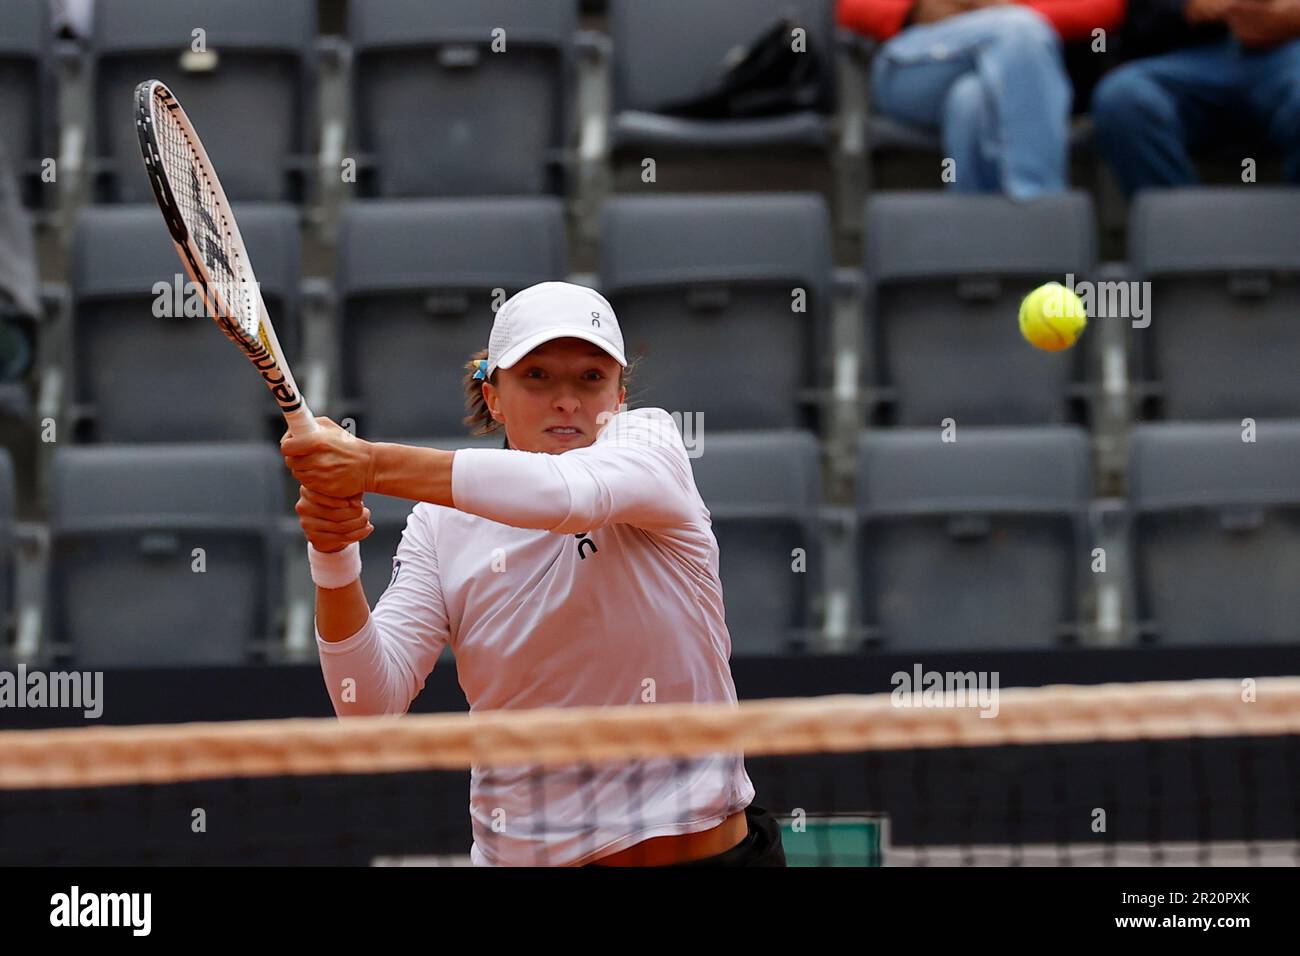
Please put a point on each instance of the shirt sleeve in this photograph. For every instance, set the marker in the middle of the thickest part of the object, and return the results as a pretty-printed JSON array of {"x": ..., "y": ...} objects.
[
  {"x": 380, "y": 668},
  {"x": 636, "y": 472}
]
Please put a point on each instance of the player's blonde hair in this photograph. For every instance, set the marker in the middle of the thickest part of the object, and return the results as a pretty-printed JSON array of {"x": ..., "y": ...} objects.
[{"x": 479, "y": 418}]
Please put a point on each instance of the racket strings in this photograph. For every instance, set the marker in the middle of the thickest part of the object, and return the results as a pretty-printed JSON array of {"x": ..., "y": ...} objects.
[{"x": 206, "y": 221}]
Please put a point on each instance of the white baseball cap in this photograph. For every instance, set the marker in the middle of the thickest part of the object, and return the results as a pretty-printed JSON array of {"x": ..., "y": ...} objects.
[{"x": 552, "y": 310}]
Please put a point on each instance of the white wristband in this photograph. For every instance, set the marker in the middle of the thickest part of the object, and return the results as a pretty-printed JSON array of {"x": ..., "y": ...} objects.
[{"x": 334, "y": 569}]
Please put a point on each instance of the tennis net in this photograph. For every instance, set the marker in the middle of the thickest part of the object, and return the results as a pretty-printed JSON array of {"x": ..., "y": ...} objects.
[{"x": 1179, "y": 773}]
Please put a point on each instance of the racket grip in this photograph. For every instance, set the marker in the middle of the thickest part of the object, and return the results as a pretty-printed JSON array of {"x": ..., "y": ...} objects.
[{"x": 302, "y": 421}]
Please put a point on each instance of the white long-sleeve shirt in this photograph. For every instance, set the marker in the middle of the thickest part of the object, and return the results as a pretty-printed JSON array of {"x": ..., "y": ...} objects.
[{"x": 588, "y": 578}]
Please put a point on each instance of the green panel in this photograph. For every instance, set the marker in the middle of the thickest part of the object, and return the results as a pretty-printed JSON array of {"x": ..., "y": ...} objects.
[{"x": 835, "y": 841}]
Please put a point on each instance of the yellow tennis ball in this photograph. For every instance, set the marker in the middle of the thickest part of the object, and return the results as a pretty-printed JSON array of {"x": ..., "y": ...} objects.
[{"x": 1052, "y": 317}]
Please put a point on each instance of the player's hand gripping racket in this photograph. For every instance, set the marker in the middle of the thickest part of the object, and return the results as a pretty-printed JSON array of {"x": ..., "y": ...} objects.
[{"x": 202, "y": 226}]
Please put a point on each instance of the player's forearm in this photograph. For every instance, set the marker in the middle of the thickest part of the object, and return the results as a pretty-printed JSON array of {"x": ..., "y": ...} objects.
[
  {"x": 416, "y": 474},
  {"x": 493, "y": 492},
  {"x": 341, "y": 612}
]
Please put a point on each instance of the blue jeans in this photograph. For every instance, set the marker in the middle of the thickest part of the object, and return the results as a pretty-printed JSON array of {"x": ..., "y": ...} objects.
[
  {"x": 1150, "y": 113},
  {"x": 993, "y": 84}
]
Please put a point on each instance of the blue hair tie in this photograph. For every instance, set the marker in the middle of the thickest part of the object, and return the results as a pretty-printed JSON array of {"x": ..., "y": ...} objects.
[{"x": 481, "y": 373}]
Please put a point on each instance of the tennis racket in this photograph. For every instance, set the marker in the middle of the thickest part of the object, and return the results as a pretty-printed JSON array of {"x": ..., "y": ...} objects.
[{"x": 201, "y": 224}]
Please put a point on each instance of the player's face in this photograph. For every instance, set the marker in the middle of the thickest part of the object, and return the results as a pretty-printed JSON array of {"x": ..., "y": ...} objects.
[{"x": 556, "y": 397}]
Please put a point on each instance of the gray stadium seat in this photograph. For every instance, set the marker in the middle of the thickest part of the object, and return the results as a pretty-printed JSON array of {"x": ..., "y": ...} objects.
[
  {"x": 415, "y": 282},
  {"x": 27, "y": 105},
  {"x": 703, "y": 286},
  {"x": 669, "y": 50},
  {"x": 978, "y": 544},
  {"x": 1224, "y": 268},
  {"x": 436, "y": 112},
  {"x": 124, "y": 523},
  {"x": 762, "y": 490},
  {"x": 138, "y": 378},
  {"x": 913, "y": 153},
  {"x": 388, "y": 515},
  {"x": 945, "y": 276},
  {"x": 1215, "y": 533},
  {"x": 250, "y": 96},
  {"x": 889, "y": 133}
]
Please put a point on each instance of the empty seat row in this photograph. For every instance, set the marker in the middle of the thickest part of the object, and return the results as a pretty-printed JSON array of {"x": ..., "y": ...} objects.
[
  {"x": 1205, "y": 308},
  {"x": 991, "y": 540},
  {"x": 1214, "y": 518},
  {"x": 945, "y": 280},
  {"x": 728, "y": 300},
  {"x": 416, "y": 285},
  {"x": 1224, "y": 273},
  {"x": 132, "y": 302},
  {"x": 978, "y": 538},
  {"x": 459, "y": 97},
  {"x": 166, "y": 553}
]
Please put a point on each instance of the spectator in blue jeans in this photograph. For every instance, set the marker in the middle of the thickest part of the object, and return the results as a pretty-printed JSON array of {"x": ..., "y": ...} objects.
[
  {"x": 988, "y": 75},
  {"x": 1233, "y": 75}
]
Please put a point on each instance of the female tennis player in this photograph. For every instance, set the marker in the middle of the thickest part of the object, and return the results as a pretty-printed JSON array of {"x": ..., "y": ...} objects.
[{"x": 581, "y": 576}]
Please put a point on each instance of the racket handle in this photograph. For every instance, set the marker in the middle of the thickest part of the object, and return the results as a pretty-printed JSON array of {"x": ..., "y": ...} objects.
[{"x": 302, "y": 421}]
